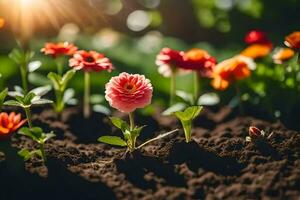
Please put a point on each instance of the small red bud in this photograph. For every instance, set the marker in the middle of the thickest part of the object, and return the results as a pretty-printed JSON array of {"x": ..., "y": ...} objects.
[{"x": 254, "y": 132}]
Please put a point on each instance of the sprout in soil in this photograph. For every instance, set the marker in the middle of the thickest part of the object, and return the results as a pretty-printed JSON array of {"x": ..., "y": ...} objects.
[
  {"x": 36, "y": 134},
  {"x": 186, "y": 118},
  {"x": 60, "y": 85},
  {"x": 34, "y": 97},
  {"x": 255, "y": 134},
  {"x": 22, "y": 58},
  {"x": 89, "y": 61}
]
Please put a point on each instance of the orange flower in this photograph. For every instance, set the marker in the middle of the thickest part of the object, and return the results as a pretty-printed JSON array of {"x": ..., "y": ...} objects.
[
  {"x": 293, "y": 40},
  {"x": 10, "y": 123},
  {"x": 231, "y": 70},
  {"x": 255, "y": 51},
  {"x": 199, "y": 60},
  {"x": 283, "y": 54},
  {"x": 59, "y": 49},
  {"x": 2, "y": 22}
]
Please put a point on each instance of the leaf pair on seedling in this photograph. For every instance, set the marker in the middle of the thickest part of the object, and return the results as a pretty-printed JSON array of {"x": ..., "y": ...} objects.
[
  {"x": 62, "y": 94},
  {"x": 37, "y": 135},
  {"x": 25, "y": 101},
  {"x": 130, "y": 134}
]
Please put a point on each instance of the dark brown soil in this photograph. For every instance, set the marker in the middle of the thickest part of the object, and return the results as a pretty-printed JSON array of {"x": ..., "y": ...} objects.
[{"x": 218, "y": 164}]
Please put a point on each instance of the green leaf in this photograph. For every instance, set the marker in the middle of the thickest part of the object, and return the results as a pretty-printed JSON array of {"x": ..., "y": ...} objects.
[
  {"x": 48, "y": 136},
  {"x": 66, "y": 78},
  {"x": 13, "y": 103},
  {"x": 101, "y": 109},
  {"x": 3, "y": 95},
  {"x": 17, "y": 56},
  {"x": 41, "y": 102},
  {"x": 69, "y": 94},
  {"x": 174, "y": 108},
  {"x": 189, "y": 113},
  {"x": 34, "y": 65},
  {"x": 28, "y": 98},
  {"x": 40, "y": 91},
  {"x": 25, "y": 154},
  {"x": 56, "y": 80},
  {"x": 119, "y": 123},
  {"x": 208, "y": 99},
  {"x": 34, "y": 133},
  {"x": 187, "y": 97},
  {"x": 113, "y": 140},
  {"x": 136, "y": 132},
  {"x": 96, "y": 99}
]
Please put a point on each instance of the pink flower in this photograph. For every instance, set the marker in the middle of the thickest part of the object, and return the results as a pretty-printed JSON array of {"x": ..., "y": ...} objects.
[
  {"x": 169, "y": 60},
  {"x": 90, "y": 61},
  {"x": 128, "y": 92}
]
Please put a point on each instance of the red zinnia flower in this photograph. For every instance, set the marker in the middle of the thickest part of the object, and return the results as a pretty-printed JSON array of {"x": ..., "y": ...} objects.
[
  {"x": 90, "y": 61},
  {"x": 293, "y": 40},
  {"x": 169, "y": 60},
  {"x": 199, "y": 60},
  {"x": 128, "y": 92},
  {"x": 10, "y": 123},
  {"x": 256, "y": 37},
  {"x": 59, "y": 49}
]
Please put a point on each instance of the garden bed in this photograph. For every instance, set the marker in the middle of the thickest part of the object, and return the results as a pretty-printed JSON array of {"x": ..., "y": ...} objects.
[{"x": 218, "y": 164}]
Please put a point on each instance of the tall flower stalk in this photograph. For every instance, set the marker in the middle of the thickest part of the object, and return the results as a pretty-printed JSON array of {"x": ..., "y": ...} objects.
[{"x": 89, "y": 61}]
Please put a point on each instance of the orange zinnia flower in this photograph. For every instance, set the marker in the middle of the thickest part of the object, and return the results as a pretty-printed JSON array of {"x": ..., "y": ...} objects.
[
  {"x": 2, "y": 22},
  {"x": 231, "y": 70},
  {"x": 255, "y": 51},
  {"x": 283, "y": 54},
  {"x": 199, "y": 60},
  {"x": 59, "y": 49},
  {"x": 293, "y": 40},
  {"x": 10, "y": 123}
]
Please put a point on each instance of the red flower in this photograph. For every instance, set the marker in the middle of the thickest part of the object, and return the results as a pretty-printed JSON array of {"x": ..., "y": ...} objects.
[
  {"x": 199, "y": 60},
  {"x": 10, "y": 123},
  {"x": 169, "y": 60},
  {"x": 90, "y": 61},
  {"x": 59, "y": 49},
  {"x": 128, "y": 92},
  {"x": 293, "y": 40},
  {"x": 256, "y": 37}
]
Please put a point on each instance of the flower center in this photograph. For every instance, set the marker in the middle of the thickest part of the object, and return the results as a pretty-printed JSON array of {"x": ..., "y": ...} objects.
[
  {"x": 89, "y": 59},
  {"x": 130, "y": 87}
]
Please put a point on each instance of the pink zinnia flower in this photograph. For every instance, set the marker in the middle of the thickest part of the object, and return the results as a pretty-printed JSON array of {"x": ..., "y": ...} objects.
[
  {"x": 169, "y": 60},
  {"x": 59, "y": 49},
  {"x": 128, "y": 92},
  {"x": 90, "y": 61}
]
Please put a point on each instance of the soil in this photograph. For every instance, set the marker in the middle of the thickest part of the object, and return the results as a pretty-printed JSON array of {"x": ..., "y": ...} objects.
[{"x": 217, "y": 164}]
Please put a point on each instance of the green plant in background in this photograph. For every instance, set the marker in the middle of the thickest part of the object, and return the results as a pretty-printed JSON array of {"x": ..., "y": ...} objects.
[
  {"x": 3, "y": 95},
  {"x": 60, "y": 84},
  {"x": 36, "y": 134},
  {"x": 186, "y": 118},
  {"x": 22, "y": 58},
  {"x": 34, "y": 97}
]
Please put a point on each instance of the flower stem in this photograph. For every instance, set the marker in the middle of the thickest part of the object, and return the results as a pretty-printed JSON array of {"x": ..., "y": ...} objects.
[
  {"x": 196, "y": 87},
  {"x": 172, "y": 87},
  {"x": 42, "y": 148},
  {"x": 59, "y": 105},
  {"x": 59, "y": 65},
  {"x": 28, "y": 116},
  {"x": 131, "y": 120},
  {"x": 24, "y": 77},
  {"x": 86, "y": 100}
]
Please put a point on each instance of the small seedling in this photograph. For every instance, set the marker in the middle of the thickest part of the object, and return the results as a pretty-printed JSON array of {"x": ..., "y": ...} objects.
[
  {"x": 255, "y": 134},
  {"x": 34, "y": 97},
  {"x": 130, "y": 134},
  {"x": 60, "y": 85},
  {"x": 22, "y": 58},
  {"x": 186, "y": 118},
  {"x": 37, "y": 135}
]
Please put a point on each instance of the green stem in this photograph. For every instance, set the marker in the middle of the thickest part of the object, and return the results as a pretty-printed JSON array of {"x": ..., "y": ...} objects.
[
  {"x": 24, "y": 78},
  {"x": 132, "y": 138},
  {"x": 59, "y": 65},
  {"x": 59, "y": 106},
  {"x": 196, "y": 87},
  {"x": 172, "y": 87},
  {"x": 42, "y": 148},
  {"x": 86, "y": 99},
  {"x": 131, "y": 120},
  {"x": 28, "y": 116}
]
